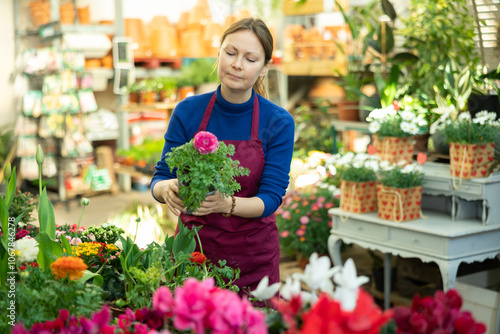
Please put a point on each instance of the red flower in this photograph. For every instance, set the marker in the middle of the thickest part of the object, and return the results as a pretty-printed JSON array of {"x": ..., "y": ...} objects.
[
  {"x": 205, "y": 142},
  {"x": 396, "y": 105},
  {"x": 197, "y": 257},
  {"x": 326, "y": 316}
]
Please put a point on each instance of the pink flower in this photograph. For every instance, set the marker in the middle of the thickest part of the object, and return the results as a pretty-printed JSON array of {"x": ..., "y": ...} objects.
[
  {"x": 300, "y": 232},
  {"x": 294, "y": 206},
  {"x": 227, "y": 314},
  {"x": 304, "y": 220},
  {"x": 285, "y": 234},
  {"x": 254, "y": 320},
  {"x": 286, "y": 215},
  {"x": 193, "y": 304},
  {"x": 162, "y": 299},
  {"x": 205, "y": 142}
]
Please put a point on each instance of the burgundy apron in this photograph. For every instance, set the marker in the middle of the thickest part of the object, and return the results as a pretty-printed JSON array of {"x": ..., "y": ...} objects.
[{"x": 251, "y": 244}]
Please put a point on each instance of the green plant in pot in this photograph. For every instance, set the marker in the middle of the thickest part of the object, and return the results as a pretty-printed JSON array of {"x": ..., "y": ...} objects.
[{"x": 204, "y": 164}]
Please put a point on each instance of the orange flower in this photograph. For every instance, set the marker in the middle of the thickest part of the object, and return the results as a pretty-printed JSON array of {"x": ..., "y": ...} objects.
[
  {"x": 71, "y": 266},
  {"x": 197, "y": 257}
]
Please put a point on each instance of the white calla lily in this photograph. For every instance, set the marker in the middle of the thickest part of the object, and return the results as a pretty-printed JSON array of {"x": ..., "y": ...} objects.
[
  {"x": 348, "y": 285},
  {"x": 264, "y": 291},
  {"x": 318, "y": 274}
]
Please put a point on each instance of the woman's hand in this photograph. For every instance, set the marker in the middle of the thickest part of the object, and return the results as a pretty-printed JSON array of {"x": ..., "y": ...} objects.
[
  {"x": 168, "y": 192},
  {"x": 215, "y": 203}
]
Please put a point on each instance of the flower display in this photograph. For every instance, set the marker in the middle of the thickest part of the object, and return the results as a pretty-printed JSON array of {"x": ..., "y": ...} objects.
[
  {"x": 438, "y": 314},
  {"x": 360, "y": 167},
  {"x": 395, "y": 121},
  {"x": 26, "y": 249},
  {"x": 400, "y": 175},
  {"x": 303, "y": 221},
  {"x": 96, "y": 253},
  {"x": 68, "y": 266},
  {"x": 204, "y": 167},
  {"x": 106, "y": 233},
  {"x": 205, "y": 142},
  {"x": 482, "y": 128}
]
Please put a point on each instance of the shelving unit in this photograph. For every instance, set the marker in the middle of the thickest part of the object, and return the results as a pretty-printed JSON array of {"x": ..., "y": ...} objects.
[{"x": 24, "y": 29}]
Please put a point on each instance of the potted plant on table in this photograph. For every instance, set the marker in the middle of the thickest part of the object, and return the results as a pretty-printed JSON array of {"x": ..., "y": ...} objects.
[
  {"x": 393, "y": 128},
  {"x": 204, "y": 165},
  {"x": 472, "y": 143},
  {"x": 358, "y": 175},
  {"x": 399, "y": 192}
]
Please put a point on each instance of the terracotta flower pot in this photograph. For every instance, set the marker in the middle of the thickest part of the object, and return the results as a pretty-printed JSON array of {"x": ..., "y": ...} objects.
[
  {"x": 67, "y": 13},
  {"x": 348, "y": 110},
  {"x": 84, "y": 15},
  {"x": 40, "y": 12}
]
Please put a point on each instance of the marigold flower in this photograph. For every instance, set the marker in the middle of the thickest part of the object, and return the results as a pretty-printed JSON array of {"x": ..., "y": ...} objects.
[
  {"x": 71, "y": 266},
  {"x": 197, "y": 257}
]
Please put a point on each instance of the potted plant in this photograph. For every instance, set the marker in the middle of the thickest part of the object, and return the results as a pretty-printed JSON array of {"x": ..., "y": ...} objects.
[
  {"x": 204, "y": 164},
  {"x": 399, "y": 192},
  {"x": 358, "y": 175},
  {"x": 472, "y": 143},
  {"x": 393, "y": 128}
]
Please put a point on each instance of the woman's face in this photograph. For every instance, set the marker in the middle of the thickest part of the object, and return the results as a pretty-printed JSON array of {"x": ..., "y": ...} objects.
[{"x": 241, "y": 61}]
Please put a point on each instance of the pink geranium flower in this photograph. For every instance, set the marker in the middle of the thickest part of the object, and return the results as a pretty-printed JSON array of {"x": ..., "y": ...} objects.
[
  {"x": 205, "y": 142},
  {"x": 162, "y": 299},
  {"x": 227, "y": 314},
  {"x": 193, "y": 304}
]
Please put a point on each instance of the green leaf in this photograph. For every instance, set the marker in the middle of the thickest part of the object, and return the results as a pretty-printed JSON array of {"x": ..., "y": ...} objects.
[
  {"x": 46, "y": 216},
  {"x": 67, "y": 246},
  {"x": 97, "y": 279},
  {"x": 48, "y": 250},
  {"x": 352, "y": 26},
  {"x": 4, "y": 217},
  {"x": 405, "y": 58},
  {"x": 389, "y": 39},
  {"x": 10, "y": 191},
  {"x": 388, "y": 9}
]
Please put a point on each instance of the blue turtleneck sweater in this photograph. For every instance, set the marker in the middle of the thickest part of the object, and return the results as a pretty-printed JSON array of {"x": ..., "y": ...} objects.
[{"x": 233, "y": 122}]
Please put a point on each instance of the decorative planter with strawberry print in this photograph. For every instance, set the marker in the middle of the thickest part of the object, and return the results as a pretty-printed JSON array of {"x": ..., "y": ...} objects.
[
  {"x": 469, "y": 161},
  {"x": 393, "y": 149},
  {"x": 358, "y": 197},
  {"x": 399, "y": 204}
]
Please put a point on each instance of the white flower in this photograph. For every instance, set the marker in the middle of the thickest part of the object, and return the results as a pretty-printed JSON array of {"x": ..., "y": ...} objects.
[
  {"x": 357, "y": 164},
  {"x": 348, "y": 283},
  {"x": 372, "y": 164},
  {"x": 264, "y": 291},
  {"x": 465, "y": 116},
  {"x": 318, "y": 274},
  {"x": 406, "y": 127},
  {"x": 119, "y": 244},
  {"x": 386, "y": 165},
  {"x": 292, "y": 288},
  {"x": 407, "y": 115},
  {"x": 374, "y": 127},
  {"x": 27, "y": 248}
]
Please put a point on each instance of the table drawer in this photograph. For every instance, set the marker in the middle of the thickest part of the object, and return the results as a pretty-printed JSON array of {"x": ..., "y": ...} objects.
[
  {"x": 361, "y": 229},
  {"x": 469, "y": 189},
  {"x": 432, "y": 185},
  {"x": 418, "y": 241}
]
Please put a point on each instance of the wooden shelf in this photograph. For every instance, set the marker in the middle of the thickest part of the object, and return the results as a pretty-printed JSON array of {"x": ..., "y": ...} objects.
[
  {"x": 148, "y": 107},
  {"x": 130, "y": 170}
]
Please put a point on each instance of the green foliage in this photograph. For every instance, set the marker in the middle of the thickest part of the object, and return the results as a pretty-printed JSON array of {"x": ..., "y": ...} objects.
[
  {"x": 23, "y": 205},
  {"x": 314, "y": 129},
  {"x": 483, "y": 128},
  {"x": 304, "y": 222},
  {"x": 39, "y": 297},
  {"x": 6, "y": 141},
  {"x": 437, "y": 31},
  {"x": 106, "y": 233},
  {"x": 201, "y": 173},
  {"x": 398, "y": 176},
  {"x": 198, "y": 72}
]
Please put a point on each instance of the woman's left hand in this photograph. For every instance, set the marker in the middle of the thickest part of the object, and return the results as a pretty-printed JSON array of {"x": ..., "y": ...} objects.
[{"x": 215, "y": 203}]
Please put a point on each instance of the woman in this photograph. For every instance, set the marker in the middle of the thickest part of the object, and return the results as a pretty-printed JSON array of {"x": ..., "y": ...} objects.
[{"x": 240, "y": 229}]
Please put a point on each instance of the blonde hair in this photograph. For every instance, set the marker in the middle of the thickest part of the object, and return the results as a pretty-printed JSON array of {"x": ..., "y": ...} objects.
[{"x": 260, "y": 29}]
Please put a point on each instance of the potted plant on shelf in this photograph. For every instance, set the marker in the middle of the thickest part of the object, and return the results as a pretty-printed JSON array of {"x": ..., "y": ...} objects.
[
  {"x": 358, "y": 175},
  {"x": 399, "y": 191},
  {"x": 203, "y": 165},
  {"x": 472, "y": 143},
  {"x": 393, "y": 128}
]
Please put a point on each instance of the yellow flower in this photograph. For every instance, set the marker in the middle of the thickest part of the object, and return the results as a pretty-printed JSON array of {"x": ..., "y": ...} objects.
[{"x": 71, "y": 266}]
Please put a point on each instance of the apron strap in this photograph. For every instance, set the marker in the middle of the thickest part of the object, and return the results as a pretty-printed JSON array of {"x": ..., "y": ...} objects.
[{"x": 254, "y": 134}]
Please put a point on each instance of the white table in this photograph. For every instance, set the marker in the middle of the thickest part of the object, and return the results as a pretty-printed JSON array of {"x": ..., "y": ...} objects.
[{"x": 435, "y": 239}]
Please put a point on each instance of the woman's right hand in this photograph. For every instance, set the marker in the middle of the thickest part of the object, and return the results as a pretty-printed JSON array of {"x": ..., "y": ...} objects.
[{"x": 168, "y": 192}]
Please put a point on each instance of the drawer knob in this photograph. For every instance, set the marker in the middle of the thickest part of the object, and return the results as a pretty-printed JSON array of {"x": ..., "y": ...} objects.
[
  {"x": 415, "y": 240},
  {"x": 360, "y": 228}
]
